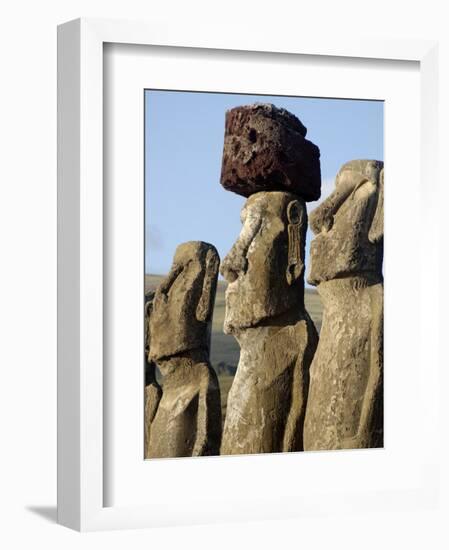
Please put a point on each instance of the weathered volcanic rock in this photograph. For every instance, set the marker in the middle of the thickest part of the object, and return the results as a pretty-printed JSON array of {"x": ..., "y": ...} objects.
[
  {"x": 345, "y": 403},
  {"x": 265, "y": 313},
  {"x": 183, "y": 303},
  {"x": 348, "y": 225},
  {"x": 265, "y": 150},
  {"x": 153, "y": 395},
  {"x": 187, "y": 420},
  {"x": 153, "y": 391}
]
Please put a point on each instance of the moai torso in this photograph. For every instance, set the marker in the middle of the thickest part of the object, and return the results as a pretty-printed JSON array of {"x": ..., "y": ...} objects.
[
  {"x": 267, "y": 400},
  {"x": 265, "y": 312},
  {"x": 153, "y": 391},
  {"x": 153, "y": 395},
  {"x": 188, "y": 420},
  {"x": 345, "y": 404},
  {"x": 267, "y": 158},
  {"x": 188, "y": 417}
]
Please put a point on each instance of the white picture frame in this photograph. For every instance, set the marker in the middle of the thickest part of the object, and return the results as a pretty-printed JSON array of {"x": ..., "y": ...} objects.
[{"x": 82, "y": 406}]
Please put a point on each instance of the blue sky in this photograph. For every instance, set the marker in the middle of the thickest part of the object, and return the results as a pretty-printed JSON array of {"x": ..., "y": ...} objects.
[{"x": 184, "y": 141}]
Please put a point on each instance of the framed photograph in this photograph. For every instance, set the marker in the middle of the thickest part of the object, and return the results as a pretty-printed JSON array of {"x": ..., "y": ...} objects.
[{"x": 239, "y": 335}]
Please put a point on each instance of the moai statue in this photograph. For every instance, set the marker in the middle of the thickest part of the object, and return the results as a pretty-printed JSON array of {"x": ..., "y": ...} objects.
[
  {"x": 188, "y": 419},
  {"x": 345, "y": 405},
  {"x": 267, "y": 159},
  {"x": 153, "y": 391}
]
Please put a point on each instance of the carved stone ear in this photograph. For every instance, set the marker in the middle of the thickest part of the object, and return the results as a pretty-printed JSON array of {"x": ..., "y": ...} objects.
[
  {"x": 376, "y": 231},
  {"x": 206, "y": 303},
  {"x": 296, "y": 219},
  {"x": 295, "y": 213}
]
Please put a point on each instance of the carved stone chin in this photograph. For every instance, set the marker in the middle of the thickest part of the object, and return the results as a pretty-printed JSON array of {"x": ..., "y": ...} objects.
[
  {"x": 265, "y": 267},
  {"x": 345, "y": 405},
  {"x": 349, "y": 225},
  {"x": 265, "y": 312},
  {"x": 183, "y": 303},
  {"x": 187, "y": 421}
]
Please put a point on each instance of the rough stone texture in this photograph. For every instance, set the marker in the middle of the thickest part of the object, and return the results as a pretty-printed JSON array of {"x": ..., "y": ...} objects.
[
  {"x": 153, "y": 395},
  {"x": 265, "y": 312},
  {"x": 265, "y": 150},
  {"x": 188, "y": 418},
  {"x": 345, "y": 404},
  {"x": 153, "y": 391},
  {"x": 183, "y": 303},
  {"x": 348, "y": 225}
]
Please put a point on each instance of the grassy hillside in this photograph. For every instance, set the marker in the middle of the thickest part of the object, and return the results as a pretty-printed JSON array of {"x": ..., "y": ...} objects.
[{"x": 224, "y": 349}]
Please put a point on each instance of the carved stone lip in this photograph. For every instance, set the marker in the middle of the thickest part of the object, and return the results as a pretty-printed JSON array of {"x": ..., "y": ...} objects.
[
  {"x": 191, "y": 353},
  {"x": 367, "y": 278}
]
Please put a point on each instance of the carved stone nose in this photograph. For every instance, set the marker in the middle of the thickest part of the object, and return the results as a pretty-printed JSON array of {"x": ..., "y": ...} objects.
[
  {"x": 227, "y": 271},
  {"x": 232, "y": 265}
]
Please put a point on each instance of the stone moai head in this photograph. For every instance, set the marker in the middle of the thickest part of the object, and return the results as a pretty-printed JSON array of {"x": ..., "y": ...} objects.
[
  {"x": 349, "y": 225},
  {"x": 267, "y": 159},
  {"x": 181, "y": 315},
  {"x": 265, "y": 267}
]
